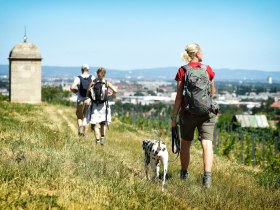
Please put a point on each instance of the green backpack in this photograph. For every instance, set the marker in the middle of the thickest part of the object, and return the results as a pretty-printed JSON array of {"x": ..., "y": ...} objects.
[{"x": 196, "y": 91}]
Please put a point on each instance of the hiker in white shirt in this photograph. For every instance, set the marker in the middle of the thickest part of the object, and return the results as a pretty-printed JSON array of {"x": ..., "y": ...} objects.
[{"x": 79, "y": 87}]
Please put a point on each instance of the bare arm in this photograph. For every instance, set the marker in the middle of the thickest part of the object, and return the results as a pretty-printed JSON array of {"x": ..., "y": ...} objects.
[
  {"x": 74, "y": 86},
  {"x": 113, "y": 88},
  {"x": 89, "y": 87},
  {"x": 212, "y": 88},
  {"x": 178, "y": 102}
]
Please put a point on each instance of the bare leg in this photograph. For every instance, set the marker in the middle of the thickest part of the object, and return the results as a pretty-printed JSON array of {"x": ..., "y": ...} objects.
[
  {"x": 103, "y": 129},
  {"x": 80, "y": 122},
  {"x": 97, "y": 131},
  {"x": 79, "y": 113},
  {"x": 208, "y": 155},
  {"x": 185, "y": 154},
  {"x": 86, "y": 128}
]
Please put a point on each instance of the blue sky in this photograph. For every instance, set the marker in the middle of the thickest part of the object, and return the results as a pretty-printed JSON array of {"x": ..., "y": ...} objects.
[{"x": 240, "y": 34}]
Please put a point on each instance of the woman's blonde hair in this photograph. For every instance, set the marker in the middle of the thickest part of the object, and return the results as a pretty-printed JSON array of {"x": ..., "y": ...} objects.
[
  {"x": 189, "y": 52},
  {"x": 101, "y": 72}
]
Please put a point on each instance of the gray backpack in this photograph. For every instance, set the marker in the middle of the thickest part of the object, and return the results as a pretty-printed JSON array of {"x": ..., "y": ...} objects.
[{"x": 196, "y": 91}]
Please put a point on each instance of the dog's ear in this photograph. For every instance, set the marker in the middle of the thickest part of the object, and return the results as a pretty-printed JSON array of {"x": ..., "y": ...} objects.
[{"x": 145, "y": 143}]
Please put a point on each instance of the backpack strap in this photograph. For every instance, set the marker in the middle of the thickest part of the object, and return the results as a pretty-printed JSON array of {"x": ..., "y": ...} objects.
[
  {"x": 187, "y": 68},
  {"x": 89, "y": 77},
  {"x": 187, "y": 72},
  {"x": 80, "y": 77}
]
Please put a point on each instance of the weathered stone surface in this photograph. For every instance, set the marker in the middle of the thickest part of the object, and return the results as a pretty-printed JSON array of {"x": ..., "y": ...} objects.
[{"x": 25, "y": 73}]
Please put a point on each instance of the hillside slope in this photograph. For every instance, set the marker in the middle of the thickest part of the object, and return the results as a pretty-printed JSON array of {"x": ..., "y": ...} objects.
[{"x": 44, "y": 165}]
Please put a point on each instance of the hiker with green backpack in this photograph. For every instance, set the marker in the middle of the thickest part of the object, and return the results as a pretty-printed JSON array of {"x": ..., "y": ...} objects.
[
  {"x": 196, "y": 109},
  {"x": 100, "y": 113},
  {"x": 79, "y": 87}
]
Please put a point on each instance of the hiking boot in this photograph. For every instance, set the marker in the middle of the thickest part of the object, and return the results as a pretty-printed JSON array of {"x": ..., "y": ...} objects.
[
  {"x": 102, "y": 140},
  {"x": 81, "y": 131},
  {"x": 184, "y": 174},
  {"x": 206, "y": 181}
]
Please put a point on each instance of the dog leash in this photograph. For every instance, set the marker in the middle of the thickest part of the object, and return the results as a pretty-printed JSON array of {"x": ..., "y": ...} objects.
[
  {"x": 170, "y": 161},
  {"x": 176, "y": 141}
]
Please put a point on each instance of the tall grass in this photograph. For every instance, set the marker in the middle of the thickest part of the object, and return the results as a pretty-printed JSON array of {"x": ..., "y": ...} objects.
[{"x": 45, "y": 165}]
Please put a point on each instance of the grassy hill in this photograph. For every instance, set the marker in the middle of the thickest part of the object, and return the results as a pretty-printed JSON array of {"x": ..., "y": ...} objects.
[{"x": 45, "y": 165}]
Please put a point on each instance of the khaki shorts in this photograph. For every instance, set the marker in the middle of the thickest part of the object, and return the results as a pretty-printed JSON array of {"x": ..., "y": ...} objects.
[
  {"x": 82, "y": 107},
  {"x": 205, "y": 125}
]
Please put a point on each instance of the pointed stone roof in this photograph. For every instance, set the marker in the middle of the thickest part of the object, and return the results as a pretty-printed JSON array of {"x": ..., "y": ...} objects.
[{"x": 25, "y": 51}]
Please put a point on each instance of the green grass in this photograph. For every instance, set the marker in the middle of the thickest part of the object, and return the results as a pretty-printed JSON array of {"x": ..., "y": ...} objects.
[{"x": 44, "y": 165}]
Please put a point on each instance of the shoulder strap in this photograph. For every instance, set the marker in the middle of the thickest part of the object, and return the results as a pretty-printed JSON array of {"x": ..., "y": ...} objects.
[
  {"x": 89, "y": 77},
  {"x": 95, "y": 80},
  {"x": 187, "y": 69},
  {"x": 205, "y": 69}
]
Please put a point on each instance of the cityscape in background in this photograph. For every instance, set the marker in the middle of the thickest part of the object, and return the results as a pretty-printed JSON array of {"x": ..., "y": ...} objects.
[{"x": 158, "y": 85}]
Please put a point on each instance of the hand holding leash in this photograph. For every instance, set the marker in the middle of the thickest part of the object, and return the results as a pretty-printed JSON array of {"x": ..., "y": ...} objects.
[{"x": 176, "y": 141}]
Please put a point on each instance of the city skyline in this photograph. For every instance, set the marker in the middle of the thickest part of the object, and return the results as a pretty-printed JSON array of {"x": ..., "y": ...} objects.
[{"x": 145, "y": 34}]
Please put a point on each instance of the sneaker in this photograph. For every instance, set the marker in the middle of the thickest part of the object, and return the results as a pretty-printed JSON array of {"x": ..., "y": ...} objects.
[
  {"x": 206, "y": 181},
  {"x": 103, "y": 140},
  {"x": 97, "y": 141},
  {"x": 184, "y": 174},
  {"x": 81, "y": 131}
]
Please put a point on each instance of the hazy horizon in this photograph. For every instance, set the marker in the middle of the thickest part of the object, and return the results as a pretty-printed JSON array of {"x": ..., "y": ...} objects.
[{"x": 148, "y": 68}]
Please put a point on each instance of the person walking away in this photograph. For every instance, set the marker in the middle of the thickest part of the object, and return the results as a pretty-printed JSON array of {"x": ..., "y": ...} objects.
[
  {"x": 99, "y": 90},
  {"x": 193, "y": 103},
  {"x": 79, "y": 87}
]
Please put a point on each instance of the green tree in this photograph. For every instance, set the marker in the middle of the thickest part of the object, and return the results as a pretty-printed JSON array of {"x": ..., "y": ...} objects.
[
  {"x": 138, "y": 93},
  {"x": 56, "y": 95}
]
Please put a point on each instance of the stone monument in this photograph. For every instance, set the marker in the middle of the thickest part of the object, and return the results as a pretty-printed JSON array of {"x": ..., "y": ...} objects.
[{"x": 25, "y": 73}]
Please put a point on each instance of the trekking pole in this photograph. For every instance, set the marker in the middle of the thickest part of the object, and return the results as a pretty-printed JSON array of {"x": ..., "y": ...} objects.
[{"x": 106, "y": 113}]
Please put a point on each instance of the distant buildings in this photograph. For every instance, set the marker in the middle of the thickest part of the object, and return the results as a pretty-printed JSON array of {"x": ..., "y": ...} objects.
[{"x": 269, "y": 80}]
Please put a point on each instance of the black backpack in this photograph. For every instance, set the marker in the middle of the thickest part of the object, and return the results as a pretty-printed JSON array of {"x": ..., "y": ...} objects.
[
  {"x": 99, "y": 91},
  {"x": 84, "y": 84}
]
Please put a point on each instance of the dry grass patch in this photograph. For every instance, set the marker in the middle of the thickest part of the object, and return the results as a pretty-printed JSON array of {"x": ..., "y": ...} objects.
[{"x": 44, "y": 165}]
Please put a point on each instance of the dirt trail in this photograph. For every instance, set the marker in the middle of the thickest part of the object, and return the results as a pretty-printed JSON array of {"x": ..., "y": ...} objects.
[
  {"x": 58, "y": 118},
  {"x": 69, "y": 123}
]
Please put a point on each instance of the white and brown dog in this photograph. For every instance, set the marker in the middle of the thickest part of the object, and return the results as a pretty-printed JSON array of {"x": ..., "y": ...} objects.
[{"x": 155, "y": 152}]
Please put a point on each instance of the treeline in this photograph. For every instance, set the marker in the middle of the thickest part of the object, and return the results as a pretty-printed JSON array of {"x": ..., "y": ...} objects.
[
  {"x": 50, "y": 94},
  {"x": 245, "y": 88},
  {"x": 55, "y": 95}
]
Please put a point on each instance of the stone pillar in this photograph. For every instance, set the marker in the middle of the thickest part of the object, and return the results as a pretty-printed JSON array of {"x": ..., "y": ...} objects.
[{"x": 25, "y": 73}]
